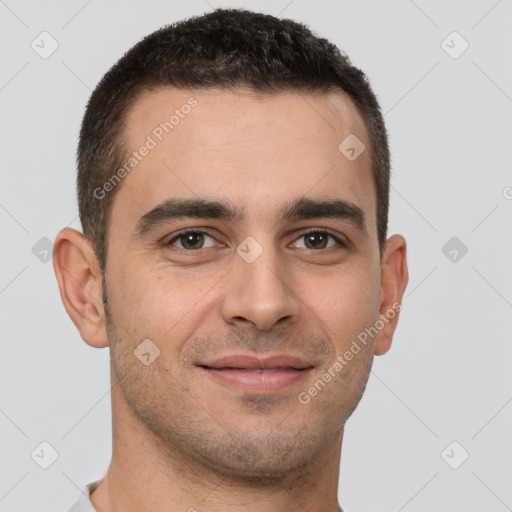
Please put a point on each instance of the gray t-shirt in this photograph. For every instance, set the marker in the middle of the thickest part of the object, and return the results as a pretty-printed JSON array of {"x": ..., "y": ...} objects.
[{"x": 84, "y": 503}]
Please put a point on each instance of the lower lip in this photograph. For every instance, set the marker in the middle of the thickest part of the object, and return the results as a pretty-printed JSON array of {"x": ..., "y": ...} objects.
[{"x": 258, "y": 381}]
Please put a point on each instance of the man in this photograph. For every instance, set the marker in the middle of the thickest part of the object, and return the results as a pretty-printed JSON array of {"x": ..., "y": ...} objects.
[{"x": 233, "y": 183}]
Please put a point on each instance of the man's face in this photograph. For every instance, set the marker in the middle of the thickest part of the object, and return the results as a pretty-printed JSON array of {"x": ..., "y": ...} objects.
[{"x": 255, "y": 285}]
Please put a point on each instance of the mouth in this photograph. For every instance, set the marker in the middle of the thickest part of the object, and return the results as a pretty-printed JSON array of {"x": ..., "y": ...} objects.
[{"x": 258, "y": 374}]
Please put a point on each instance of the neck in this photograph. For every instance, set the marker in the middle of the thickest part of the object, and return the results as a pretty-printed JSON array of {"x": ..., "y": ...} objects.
[{"x": 144, "y": 476}]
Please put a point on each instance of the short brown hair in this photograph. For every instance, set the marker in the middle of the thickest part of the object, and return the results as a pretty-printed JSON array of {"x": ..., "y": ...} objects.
[{"x": 226, "y": 48}]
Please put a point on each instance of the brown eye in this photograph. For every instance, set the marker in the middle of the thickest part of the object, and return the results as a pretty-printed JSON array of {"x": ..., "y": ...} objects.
[
  {"x": 318, "y": 239},
  {"x": 191, "y": 240}
]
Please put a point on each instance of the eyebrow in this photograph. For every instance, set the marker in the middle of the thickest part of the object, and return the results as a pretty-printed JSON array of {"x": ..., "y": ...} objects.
[{"x": 299, "y": 209}]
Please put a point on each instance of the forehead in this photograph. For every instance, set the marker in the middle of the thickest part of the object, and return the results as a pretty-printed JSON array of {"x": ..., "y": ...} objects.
[{"x": 260, "y": 151}]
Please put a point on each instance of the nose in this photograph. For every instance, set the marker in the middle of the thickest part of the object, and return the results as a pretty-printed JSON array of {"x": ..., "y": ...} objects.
[{"x": 260, "y": 292}]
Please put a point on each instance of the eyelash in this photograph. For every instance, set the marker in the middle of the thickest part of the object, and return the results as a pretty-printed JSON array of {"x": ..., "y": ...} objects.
[{"x": 312, "y": 230}]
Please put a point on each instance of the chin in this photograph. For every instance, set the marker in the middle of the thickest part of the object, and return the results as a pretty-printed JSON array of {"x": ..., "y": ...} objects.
[{"x": 262, "y": 459}]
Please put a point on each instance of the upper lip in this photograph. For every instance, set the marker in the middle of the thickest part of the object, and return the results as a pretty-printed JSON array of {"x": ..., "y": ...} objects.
[{"x": 251, "y": 362}]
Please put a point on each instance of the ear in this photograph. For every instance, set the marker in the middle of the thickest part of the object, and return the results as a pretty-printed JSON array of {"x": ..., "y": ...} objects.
[
  {"x": 79, "y": 277},
  {"x": 394, "y": 278}
]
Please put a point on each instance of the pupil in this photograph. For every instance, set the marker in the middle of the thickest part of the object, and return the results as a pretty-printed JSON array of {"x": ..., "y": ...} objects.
[
  {"x": 312, "y": 236},
  {"x": 190, "y": 237}
]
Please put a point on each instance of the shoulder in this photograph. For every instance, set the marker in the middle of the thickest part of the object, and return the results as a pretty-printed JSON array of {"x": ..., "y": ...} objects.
[{"x": 83, "y": 504}]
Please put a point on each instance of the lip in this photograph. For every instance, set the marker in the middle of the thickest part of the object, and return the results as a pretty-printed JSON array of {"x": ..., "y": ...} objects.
[
  {"x": 251, "y": 373},
  {"x": 250, "y": 362}
]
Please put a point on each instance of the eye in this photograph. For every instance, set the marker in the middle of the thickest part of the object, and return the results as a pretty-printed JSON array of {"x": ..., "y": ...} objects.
[
  {"x": 191, "y": 240},
  {"x": 194, "y": 240},
  {"x": 318, "y": 239}
]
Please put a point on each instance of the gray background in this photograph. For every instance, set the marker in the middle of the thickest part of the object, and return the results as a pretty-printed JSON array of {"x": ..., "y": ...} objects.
[{"x": 447, "y": 377}]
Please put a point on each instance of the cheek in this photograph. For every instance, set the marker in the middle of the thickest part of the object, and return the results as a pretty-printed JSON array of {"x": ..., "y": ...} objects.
[
  {"x": 347, "y": 303},
  {"x": 157, "y": 302}
]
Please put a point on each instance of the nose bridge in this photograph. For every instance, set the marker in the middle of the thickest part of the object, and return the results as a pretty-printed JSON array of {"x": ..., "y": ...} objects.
[{"x": 259, "y": 290}]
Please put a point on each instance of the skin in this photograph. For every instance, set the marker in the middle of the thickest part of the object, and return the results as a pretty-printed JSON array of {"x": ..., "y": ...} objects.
[{"x": 182, "y": 440}]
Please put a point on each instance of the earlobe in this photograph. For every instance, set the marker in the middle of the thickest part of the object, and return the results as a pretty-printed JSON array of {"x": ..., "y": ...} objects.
[
  {"x": 394, "y": 278},
  {"x": 79, "y": 278}
]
